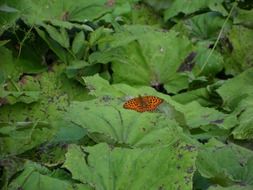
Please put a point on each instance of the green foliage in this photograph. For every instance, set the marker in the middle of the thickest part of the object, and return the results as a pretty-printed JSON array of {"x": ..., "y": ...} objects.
[
  {"x": 241, "y": 57},
  {"x": 36, "y": 176},
  {"x": 67, "y": 68},
  {"x": 154, "y": 64},
  {"x": 230, "y": 164},
  {"x": 105, "y": 168},
  {"x": 189, "y": 7}
]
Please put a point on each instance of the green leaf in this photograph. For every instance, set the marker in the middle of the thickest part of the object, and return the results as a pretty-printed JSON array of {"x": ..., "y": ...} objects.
[
  {"x": 158, "y": 4},
  {"x": 76, "y": 68},
  {"x": 19, "y": 137},
  {"x": 200, "y": 95},
  {"x": 240, "y": 56},
  {"x": 79, "y": 11},
  {"x": 3, "y": 42},
  {"x": 244, "y": 17},
  {"x": 68, "y": 132},
  {"x": 188, "y": 7},
  {"x": 147, "y": 56},
  {"x": 244, "y": 111},
  {"x": 38, "y": 177},
  {"x": 54, "y": 99},
  {"x": 78, "y": 43},
  {"x": 54, "y": 46},
  {"x": 196, "y": 116},
  {"x": 121, "y": 168},
  {"x": 59, "y": 36},
  {"x": 144, "y": 14},
  {"x": 203, "y": 27},
  {"x": 10, "y": 166},
  {"x": 8, "y": 16},
  {"x": 230, "y": 93},
  {"x": 230, "y": 164},
  {"x": 97, "y": 35},
  {"x": 100, "y": 87},
  {"x": 70, "y": 25},
  {"x": 12, "y": 97},
  {"x": 192, "y": 114},
  {"x": 7, "y": 65},
  {"x": 7, "y": 9},
  {"x": 207, "y": 61},
  {"x": 107, "y": 117}
]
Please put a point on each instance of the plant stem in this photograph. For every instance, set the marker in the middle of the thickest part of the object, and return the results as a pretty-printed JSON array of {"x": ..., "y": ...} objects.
[
  {"x": 217, "y": 40},
  {"x": 23, "y": 41}
]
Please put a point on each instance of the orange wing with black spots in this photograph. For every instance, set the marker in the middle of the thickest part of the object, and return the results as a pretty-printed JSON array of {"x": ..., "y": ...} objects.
[{"x": 143, "y": 103}]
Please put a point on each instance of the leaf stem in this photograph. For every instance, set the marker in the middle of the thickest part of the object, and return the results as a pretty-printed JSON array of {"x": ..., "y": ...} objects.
[
  {"x": 23, "y": 40},
  {"x": 217, "y": 40},
  {"x": 14, "y": 84}
]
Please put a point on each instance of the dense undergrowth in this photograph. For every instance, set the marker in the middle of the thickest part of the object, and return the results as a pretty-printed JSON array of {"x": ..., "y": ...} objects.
[{"x": 67, "y": 68}]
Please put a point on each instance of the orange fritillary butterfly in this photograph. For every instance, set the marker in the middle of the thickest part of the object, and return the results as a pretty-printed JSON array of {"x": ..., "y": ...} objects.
[{"x": 143, "y": 103}]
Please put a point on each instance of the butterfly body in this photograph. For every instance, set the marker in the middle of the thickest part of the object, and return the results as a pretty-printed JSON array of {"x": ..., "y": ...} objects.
[{"x": 143, "y": 103}]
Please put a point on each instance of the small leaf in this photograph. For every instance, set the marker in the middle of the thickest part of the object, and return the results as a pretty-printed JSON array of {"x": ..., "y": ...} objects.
[
  {"x": 8, "y": 9},
  {"x": 54, "y": 46},
  {"x": 59, "y": 36},
  {"x": 35, "y": 176},
  {"x": 65, "y": 38},
  {"x": 235, "y": 89},
  {"x": 78, "y": 42}
]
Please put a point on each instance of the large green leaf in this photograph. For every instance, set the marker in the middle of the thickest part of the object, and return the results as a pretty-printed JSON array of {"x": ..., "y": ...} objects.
[
  {"x": 99, "y": 87},
  {"x": 188, "y": 7},
  {"x": 64, "y": 12},
  {"x": 142, "y": 55},
  {"x": 107, "y": 117},
  {"x": 205, "y": 26},
  {"x": 192, "y": 114},
  {"x": 230, "y": 164},
  {"x": 36, "y": 12},
  {"x": 104, "y": 167}
]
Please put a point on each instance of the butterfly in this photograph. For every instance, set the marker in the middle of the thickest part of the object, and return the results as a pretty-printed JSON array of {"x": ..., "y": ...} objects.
[{"x": 143, "y": 103}]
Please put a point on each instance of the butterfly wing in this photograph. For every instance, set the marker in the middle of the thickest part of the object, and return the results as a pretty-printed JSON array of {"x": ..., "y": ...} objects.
[
  {"x": 152, "y": 102},
  {"x": 133, "y": 104},
  {"x": 142, "y": 104}
]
